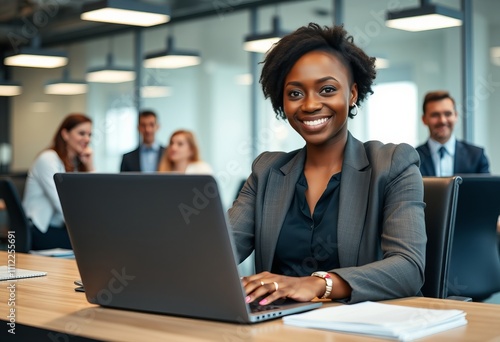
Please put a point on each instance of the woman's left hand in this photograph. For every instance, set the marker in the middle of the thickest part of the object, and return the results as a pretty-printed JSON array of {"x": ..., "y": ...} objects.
[{"x": 271, "y": 287}]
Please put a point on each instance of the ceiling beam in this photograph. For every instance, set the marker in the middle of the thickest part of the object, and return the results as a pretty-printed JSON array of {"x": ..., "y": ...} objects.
[{"x": 69, "y": 29}]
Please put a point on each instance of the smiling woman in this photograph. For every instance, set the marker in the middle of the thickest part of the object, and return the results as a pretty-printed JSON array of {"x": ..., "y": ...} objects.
[
  {"x": 337, "y": 219},
  {"x": 69, "y": 152},
  {"x": 182, "y": 155}
]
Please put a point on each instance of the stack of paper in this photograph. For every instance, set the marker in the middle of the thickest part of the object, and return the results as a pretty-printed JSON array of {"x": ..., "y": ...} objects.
[
  {"x": 55, "y": 252},
  {"x": 11, "y": 273},
  {"x": 382, "y": 320}
]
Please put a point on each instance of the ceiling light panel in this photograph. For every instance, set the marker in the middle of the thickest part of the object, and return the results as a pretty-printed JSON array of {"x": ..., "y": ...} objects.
[{"x": 126, "y": 12}]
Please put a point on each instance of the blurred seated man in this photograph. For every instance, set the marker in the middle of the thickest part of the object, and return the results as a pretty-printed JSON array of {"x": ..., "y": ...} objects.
[{"x": 443, "y": 155}]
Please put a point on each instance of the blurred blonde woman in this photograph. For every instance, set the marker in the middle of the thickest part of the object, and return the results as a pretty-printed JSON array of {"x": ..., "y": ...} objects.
[{"x": 182, "y": 155}]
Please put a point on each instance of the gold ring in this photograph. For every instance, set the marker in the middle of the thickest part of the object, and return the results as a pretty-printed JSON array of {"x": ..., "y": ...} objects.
[
  {"x": 276, "y": 287},
  {"x": 262, "y": 283}
]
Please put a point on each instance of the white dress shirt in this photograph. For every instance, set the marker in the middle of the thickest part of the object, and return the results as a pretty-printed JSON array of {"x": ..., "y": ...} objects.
[
  {"x": 199, "y": 167},
  {"x": 41, "y": 201},
  {"x": 149, "y": 157},
  {"x": 444, "y": 166}
]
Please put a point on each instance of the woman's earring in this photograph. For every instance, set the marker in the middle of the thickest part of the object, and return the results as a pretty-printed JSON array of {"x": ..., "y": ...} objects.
[{"x": 354, "y": 105}]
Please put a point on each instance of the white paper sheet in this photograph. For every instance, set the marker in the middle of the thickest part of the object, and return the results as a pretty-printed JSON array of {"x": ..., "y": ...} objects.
[{"x": 377, "y": 319}]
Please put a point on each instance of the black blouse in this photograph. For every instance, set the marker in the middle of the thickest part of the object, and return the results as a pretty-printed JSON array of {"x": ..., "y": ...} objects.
[{"x": 307, "y": 244}]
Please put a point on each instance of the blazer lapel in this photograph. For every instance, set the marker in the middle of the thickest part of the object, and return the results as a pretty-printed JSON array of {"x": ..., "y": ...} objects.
[
  {"x": 426, "y": 163},
  {"x": 137, "y": 159},
  {"x": 278, "y": 198},
  {"x": 354, "y": 189},
  {"x": 461, "y": 163}
]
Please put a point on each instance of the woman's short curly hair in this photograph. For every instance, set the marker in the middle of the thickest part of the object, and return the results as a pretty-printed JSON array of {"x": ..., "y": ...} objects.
[{"x": 281, "y": 58}]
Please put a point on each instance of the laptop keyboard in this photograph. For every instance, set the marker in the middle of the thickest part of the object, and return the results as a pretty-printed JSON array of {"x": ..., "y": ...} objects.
[{"x": 255, "y": 307}]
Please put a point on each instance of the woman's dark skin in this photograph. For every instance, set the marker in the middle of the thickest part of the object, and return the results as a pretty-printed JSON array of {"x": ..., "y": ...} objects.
[{"x": 318, "y": 92}]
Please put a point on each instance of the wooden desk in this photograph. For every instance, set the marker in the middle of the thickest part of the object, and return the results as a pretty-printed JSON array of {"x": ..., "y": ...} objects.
[{"x": 51, "y": 303}]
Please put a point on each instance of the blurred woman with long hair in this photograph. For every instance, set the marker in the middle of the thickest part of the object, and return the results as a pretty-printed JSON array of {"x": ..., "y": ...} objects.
[
  {"x": 69, "y": 152},
  {"x": 182, "y": 155}
]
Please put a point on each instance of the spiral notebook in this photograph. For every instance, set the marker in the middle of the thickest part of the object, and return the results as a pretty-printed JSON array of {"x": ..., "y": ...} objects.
[{"x": 18, "y": 273}]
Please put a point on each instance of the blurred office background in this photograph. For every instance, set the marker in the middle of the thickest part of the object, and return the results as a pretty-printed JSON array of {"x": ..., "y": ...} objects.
[{"x": 220, "y": 98}]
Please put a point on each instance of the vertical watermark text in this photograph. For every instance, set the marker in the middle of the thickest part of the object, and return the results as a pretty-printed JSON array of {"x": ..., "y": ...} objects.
[{"x": 11, "y": 287}]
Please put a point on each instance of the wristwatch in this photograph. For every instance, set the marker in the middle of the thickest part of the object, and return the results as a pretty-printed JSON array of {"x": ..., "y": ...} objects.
[{"x": 328, "y": 281}]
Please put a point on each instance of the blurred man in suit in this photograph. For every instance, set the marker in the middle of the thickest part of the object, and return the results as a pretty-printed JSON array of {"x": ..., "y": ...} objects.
[
  {"x": 144, "y": 158},
  {"x": 443, "y": 155}
]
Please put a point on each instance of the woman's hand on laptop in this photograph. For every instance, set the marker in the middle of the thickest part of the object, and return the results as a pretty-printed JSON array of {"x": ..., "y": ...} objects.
[{"x": 275, "y": 286}]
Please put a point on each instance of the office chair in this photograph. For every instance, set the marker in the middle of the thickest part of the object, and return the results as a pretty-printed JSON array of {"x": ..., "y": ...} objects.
[
  {"x": 18, "y": 221},
  {"x": 19, "y": 181},
  {"x": 475, "y": 260},
  {"x": 440, "y": 197}
]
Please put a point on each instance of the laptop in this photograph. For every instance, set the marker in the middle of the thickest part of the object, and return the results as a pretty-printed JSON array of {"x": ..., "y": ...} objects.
[{"x": 158, "y": 243}]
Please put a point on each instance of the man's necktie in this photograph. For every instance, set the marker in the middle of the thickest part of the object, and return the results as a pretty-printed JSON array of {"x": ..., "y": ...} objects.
[{"x": 441, "y": 151}]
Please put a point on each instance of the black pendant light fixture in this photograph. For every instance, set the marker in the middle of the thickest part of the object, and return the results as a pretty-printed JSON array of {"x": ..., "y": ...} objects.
[
  {"x": 66, "y": 86},
  {"x": 36, "y": 57},
  {"x": 425, "y": 17},
  {"x": 171, "y": 58},
  {"x": 126, "y": 12},
  {"x": 263, "y": 42}
]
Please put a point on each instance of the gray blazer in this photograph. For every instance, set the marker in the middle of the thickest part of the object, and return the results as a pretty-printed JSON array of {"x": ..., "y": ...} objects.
[{"x": 381, "y": 227}]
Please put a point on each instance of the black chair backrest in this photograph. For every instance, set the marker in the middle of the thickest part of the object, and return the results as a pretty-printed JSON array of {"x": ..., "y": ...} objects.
[
  {"x": 475, "y": 259},
  {"x": 18, "y": 222},
  {"x": 440, "y": 196},
  {"x": 19, "y": 181}
]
